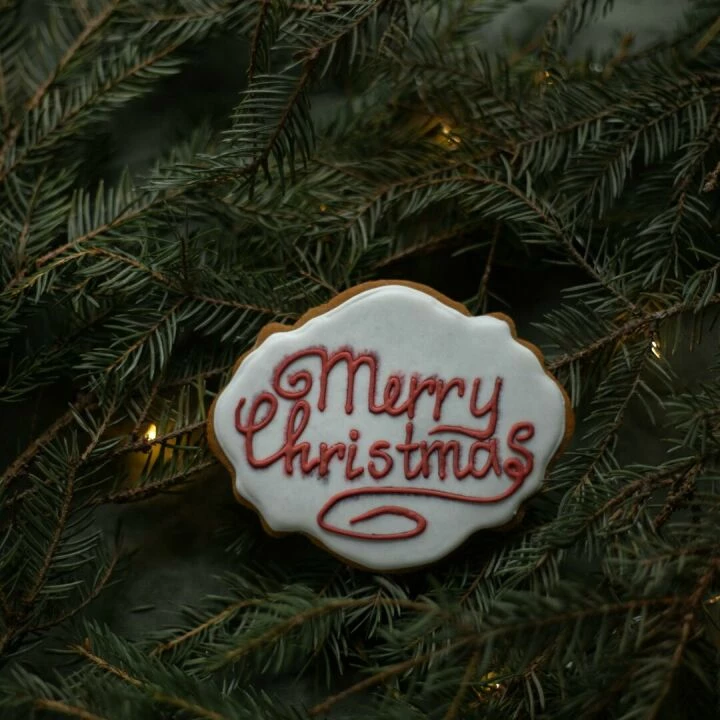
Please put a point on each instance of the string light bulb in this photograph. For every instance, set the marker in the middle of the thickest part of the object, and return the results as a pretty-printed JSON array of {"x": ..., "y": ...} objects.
[
  {"x": 655, "y": 348},
  {"x": 446, "y": 137},
  {"x": 489, "y": 683},
  {"x": 150, "y": 433}
]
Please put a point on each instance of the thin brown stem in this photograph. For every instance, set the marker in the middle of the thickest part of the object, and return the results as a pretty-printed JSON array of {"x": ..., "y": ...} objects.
[
  {"x": 255, "y": 42},
  {"x": 95, "y": 24},
  {"x": 146, "y": 445},
  {"x": 22, "y": 461},
  {"x": 627, "y": 330},
  {"x": 694, "y": 604},
  {"x": 326, "y": 608},
  {"x": 682, "y": 490},
  {"x": 97, "y": 589},
  {"x": 153, "y": 488},
  {"x": 453, "y": 711},
  {"x": 143, "y": 339},
  {"x": 216, "y": 619},
  {"x": 64, "y": 514},
  {"x": 160, "y": 697},
  {"x": 63, "y": 708},
  {"x": 482, "y": 290},
  {"x": 385, "y": 675}
]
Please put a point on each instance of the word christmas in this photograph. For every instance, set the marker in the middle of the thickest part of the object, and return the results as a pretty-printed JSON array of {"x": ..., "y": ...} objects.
[{"x": 471, "y": 450}]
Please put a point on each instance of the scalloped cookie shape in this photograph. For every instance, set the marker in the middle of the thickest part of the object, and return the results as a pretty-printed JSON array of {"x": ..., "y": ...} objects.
[{"x": 389, "y": 425}]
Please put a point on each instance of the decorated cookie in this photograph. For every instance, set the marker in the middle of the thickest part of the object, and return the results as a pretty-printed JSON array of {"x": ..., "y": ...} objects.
[{"x": 389, "y": 425}]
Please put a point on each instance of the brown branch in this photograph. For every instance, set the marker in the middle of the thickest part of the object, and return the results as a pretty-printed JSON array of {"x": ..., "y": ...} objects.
[
  {"x": 145, "y": 445},
  {"x": 31, "y": 595},
  {"x": 106, "y": 666},
  {"x": 171, "y": 17},
  {"x": 198, "y": 376},
  {"x": 97, "y": 589},
  {"x": 142, "y": 418},
  {"x": 708, "y": 37},
  {"x": 63, "y": 708},
  {"x": 20, "y": 464},
  {"x": 541, "y": 39},
  {"x": 25, "y": 231},
  {"x": 237, "y": 305},
  {"x": 213, "y": 620},
  {"x": 453, "y": 711},
  {"x": 680, "y": 492},
  {"x": 126, "y": 216},
  {"x": 153, "y": 488},
  {"x": 34, "y": 101},
  {"x": 432, "y": 243},
  {"x": 326, "y": 608},
  {"x": 381, "y": 677},
  {"x": 140, "y": 341},
  {"x": 482, "y": 290},
  {"x": 64, "y": 514},
  {"x": 255, "y": 42},
  {"x": 617, "y": 423},
  {"x": 73, "y": 112},
  {"x": 322, "y": 6},
  {"x": 163, "y": 279},
  {"x": 163, "y": 698},
  {"x": 694, "y": 603},
  {"x": 628, "y": 329}
]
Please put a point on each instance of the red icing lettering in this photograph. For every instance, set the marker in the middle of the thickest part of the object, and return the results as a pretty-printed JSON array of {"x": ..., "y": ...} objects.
[
  {"x": 352, "y": 472},
  {"x": 327, "y": 453},
  {"x": 421, "y": 522},
  {"x": 443, "y": 388},
  {"x": 378, "y": 451},
  {"x": 407, "y": 449},
  {"x": 519, "y": 433},
  {"x": 459, "y": 448}
]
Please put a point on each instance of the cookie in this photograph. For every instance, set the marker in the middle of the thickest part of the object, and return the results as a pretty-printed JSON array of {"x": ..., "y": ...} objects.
[{"x": 389, "y": 425}]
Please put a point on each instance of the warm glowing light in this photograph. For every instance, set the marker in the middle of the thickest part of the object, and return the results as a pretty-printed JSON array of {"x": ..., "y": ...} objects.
[
  {"x": 655, "y": 348},
  {"x": 323, "y": 207},
  {"x": 447, "y": 138},
  {"x": 489, "y": 684},
  {"x": 151, "y": 433}
]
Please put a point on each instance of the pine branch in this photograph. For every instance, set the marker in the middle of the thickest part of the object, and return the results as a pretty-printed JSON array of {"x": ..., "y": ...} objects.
[
  {"x": 216, "y": 619},
  {"x": 90, "y": 29},
  {"x": 381, "y": 677},
  {"x": 681, "y": 490},
  {"x": 256, "y": 38},
  {"x": 160, "y": 697},
  {"x": 48, "y": 136},
  {"x": 627, "y": 330},
  {"x": 482, "y": 293},
  {"x": 327, "y": 607},
  {"x": 68, "y": 495},
  {"x": 99, "y": 586},
  {"x": 67, "y": 710},
  {"x": 22, "y": 461},
  {"x": 455, "y": 708},
  {"x": 128, "y": 215},
  {"x": 692, "y": 607},
  {"x": 152, "y": 488},
  {"x": 144, "y": 445}
]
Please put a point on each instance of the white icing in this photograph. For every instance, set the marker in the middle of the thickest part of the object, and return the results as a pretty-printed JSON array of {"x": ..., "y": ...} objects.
[{"x": 411, "y": 332}]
